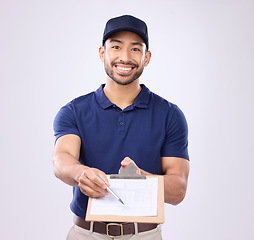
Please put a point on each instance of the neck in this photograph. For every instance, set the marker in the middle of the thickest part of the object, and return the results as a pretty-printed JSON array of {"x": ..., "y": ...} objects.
[{"x": 122, "y": 95}]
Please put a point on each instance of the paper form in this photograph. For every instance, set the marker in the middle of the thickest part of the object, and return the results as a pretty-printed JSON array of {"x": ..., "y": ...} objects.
[{"x": 139, "y": 197}]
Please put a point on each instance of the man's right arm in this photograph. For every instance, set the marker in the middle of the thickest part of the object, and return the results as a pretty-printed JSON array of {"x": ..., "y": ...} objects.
[{"x": 68, "y": 168}]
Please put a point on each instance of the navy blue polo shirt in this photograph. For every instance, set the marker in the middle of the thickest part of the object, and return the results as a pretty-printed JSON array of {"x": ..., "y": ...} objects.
[{"x": 145, "y": 131}]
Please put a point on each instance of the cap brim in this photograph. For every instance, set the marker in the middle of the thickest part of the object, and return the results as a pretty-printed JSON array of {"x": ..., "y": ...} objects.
[{"x": 106, "y": 36}]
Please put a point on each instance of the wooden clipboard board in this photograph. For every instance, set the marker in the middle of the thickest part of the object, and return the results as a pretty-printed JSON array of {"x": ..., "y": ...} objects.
[{"x": 130, "y": 173}]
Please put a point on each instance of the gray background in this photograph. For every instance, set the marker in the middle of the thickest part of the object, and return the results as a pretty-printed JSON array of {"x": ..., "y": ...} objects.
[{"x": 202, "y": 60}]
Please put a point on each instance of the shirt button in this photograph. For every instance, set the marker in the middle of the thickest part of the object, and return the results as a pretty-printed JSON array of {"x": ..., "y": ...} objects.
[
  {"x": 121, "y": 123},
  {"x": 122, "y": 113}
]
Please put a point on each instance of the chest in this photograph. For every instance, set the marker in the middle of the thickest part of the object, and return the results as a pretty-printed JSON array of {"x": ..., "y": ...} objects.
[
  {"x": 109, "y": 136},
  {"x": 137, "y": 127}
]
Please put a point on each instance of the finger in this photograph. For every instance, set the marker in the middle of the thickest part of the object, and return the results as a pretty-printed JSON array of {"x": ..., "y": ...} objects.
[
  {"x": 91, "y": 192},
  {"x": 126, "y": 162},
  {"x": 90, "y": 179},
  {"x": 103, "y": 180},
  {"x": 87, "y": 178},
  {"x": 98, "y": 177},
  {"x": 89, "y": 188},
  {"x": 85, "y": 182}
]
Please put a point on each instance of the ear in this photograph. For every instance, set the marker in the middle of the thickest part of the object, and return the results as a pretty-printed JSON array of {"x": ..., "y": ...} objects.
[
  {"x": 102, "y": 53},
  {"x": 147, "y": 58}
]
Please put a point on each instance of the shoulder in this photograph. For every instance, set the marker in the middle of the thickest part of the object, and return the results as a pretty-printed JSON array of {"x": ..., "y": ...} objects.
[
  {"x": 74, "y": 106},
  {"x": 162, "y": 103},
  {"x": 82, "y": 100},
  {"x": 78, "y": 104},
  {"x": 165, "y": 108}
]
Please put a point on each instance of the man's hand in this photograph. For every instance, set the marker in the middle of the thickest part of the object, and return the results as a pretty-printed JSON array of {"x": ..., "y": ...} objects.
[
  {"x": 175, "y": 171},
  {"x": 68, "y": 168},
  {"x": 91, "y": 185}
]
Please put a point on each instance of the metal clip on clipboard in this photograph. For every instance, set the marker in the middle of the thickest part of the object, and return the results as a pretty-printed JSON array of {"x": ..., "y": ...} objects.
[{"x": 130, "y": 172}]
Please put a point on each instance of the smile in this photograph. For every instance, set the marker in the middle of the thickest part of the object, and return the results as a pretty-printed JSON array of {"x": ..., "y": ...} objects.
[{"x": 124, "y": 69}]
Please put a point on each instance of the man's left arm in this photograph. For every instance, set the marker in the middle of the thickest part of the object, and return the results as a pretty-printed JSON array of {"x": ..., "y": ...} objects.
[{"x": 175, "y": 171}]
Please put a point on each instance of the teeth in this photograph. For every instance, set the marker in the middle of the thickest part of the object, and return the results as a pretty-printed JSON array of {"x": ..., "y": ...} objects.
[{"x": 124, "y": 69}]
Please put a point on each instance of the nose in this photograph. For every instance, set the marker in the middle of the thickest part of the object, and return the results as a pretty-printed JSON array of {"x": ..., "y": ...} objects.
[{"x": 124, "y": 56}]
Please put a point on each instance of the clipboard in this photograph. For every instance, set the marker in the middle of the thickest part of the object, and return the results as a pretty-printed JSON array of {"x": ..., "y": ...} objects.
[{"x": 130, "y": 173}]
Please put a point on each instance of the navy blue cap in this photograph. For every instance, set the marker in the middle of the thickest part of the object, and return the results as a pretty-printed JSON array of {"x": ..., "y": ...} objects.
[{"x": 126, "y": 23}]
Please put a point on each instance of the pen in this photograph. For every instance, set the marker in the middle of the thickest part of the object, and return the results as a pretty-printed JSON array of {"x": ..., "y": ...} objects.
[{"x": 109, "y": 190}]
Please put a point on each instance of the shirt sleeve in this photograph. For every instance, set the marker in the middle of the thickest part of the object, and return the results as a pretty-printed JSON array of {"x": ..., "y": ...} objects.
[
  {"x": 176, "y": 139},
  {"x": 65, "y": 122}
]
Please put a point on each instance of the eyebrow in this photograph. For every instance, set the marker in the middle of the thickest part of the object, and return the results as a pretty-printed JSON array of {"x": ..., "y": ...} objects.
[
  {"x": 115, "y": 40},
  {"x": 119, "y": 41},
  {"x": 137, "y": 43}
]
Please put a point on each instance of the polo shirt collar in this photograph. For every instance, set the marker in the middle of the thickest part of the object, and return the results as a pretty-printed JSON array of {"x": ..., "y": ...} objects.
[
  {"x": 143, "y": 98},
  {"x": 141, "y": 101},
  {"x": 101, "y": 98}
]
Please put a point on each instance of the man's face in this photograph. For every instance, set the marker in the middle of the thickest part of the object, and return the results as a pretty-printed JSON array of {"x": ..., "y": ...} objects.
[{"x": 124, "y": 55}]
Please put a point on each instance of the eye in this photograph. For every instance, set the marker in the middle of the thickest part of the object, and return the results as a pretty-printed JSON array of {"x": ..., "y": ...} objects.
[
  {"x": 136, "y": 49},
  {"x": 115, "y": 47}
]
